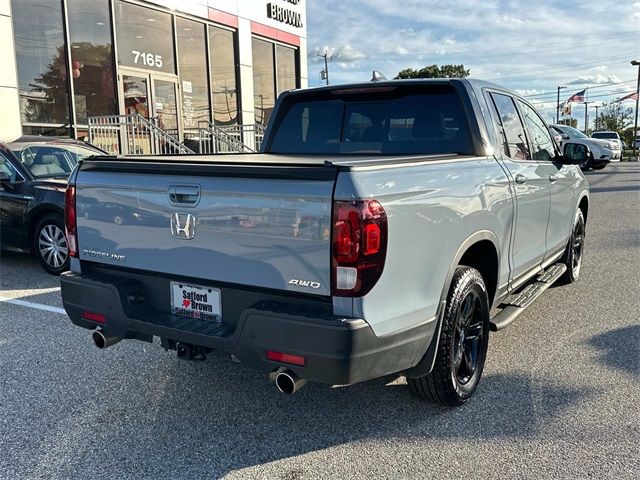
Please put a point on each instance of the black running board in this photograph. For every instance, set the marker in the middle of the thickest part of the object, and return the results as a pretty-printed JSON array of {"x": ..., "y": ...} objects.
[{"x": 517, "y": 303}]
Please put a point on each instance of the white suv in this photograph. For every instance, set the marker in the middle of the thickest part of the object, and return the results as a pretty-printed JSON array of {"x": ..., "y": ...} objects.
[
  {"x": 612, "y": 137},
  {"x": 602, "y": 151}
]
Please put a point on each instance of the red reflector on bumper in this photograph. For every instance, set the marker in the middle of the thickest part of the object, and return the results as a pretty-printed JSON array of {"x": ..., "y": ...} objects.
[
  {"x": 94, "y": 317},
  {"x": 285, "y": 358}
]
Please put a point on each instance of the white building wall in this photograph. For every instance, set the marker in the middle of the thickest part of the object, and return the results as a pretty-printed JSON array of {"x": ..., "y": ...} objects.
[
  {"x": 248, "y": 11},
  {"x": 10, "y": 127}
]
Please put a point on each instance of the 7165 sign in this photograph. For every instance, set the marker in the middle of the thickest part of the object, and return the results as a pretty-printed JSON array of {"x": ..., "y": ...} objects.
[{"x": 147, "y": 59}]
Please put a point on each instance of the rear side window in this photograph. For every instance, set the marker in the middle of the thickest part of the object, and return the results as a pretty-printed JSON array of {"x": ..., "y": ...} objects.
[
  {"x": 511, "y": 129},
  {"x": 394, "y": 121}
]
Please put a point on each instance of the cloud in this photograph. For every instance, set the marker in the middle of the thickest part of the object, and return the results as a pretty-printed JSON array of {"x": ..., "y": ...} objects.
[
  {"x": 529, "y": 46},
  {"x": 344, "y": 54},
  {"x": 596, "y": 79}
]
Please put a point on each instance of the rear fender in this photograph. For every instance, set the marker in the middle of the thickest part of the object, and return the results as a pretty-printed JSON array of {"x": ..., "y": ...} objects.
[{"x": 425, "y": 365}]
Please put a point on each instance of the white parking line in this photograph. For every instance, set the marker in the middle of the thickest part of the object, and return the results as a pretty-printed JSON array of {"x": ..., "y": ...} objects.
[
  {"x": 37, "y": 306},
  {"x": 13, "y": 297}
]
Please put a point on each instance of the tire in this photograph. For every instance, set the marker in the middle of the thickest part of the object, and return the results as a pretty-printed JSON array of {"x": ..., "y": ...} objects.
[
  {"x": 587, "y": 165},
  {"x": 50, "y": 244},
  {"x": 462, "y": 345},
  {"x": 598, "y": 167},
  {"x": 573, "y": 254}
]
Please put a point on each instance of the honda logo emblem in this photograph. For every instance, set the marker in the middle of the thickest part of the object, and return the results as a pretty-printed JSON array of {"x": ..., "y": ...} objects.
[{"x": 183, "y": 225}]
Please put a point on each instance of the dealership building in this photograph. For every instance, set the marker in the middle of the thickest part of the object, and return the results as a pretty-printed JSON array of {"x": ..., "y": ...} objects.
[{"x": 183, "y": 65}]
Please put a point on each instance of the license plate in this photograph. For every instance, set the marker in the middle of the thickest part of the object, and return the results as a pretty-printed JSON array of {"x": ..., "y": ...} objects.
[{"x": 196, "y": 301}]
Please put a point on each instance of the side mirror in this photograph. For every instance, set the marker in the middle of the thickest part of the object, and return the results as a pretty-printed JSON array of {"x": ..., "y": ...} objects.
[{"x": 575, "y": 153}]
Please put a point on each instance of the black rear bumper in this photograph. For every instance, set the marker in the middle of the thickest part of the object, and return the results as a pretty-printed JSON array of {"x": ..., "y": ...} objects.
[{"x": 337, "y": 350}]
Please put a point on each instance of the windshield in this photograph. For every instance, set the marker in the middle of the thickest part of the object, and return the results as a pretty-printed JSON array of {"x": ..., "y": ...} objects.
[
  {"x": 605, "y": 135},
  {"x": 570, "y": 131},
  {"x": 53, "y": 160},
  {"x": 382, "y": 120}
]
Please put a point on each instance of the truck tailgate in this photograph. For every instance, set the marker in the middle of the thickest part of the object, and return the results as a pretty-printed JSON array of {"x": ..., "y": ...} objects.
[{"x": 254, "y": 225}]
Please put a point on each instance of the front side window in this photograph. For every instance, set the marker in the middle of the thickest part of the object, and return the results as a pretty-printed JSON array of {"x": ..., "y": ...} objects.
[
  {"x": 514, "y": 139},
  {"x": 541, "y": 141},
  {"x": 144, "y": 38},
  {"x": 392, "y": 121},
  {"x": 7, "y": 167},
  {"x": 41, "y": 61}
]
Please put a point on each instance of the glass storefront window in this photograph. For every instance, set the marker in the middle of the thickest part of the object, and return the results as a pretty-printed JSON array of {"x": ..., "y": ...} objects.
[
  {"x": 41, "y": 59},
  {"x": 223, "y": 76},
  {"x": 192, "y": 62},
  {"x": 91, "y": 58},
  {"x": 263, "y": 80},
  {"x": 286, "y": 68},
  {"x": 144, "y": 37}
]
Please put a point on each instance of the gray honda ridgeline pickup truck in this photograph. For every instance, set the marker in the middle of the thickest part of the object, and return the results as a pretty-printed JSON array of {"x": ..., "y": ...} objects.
[{"x": 385, "y": 228}]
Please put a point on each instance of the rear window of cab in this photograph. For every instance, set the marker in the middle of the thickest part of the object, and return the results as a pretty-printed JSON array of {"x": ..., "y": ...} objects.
[{"x": 376, "y": 120}]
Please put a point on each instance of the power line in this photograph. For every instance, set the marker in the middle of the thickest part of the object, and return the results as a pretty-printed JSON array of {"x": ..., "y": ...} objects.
[
  {"x": 559, "y": 66},
  {"x": 590, "y": 88},
  {"x": 531, "y": 48}
]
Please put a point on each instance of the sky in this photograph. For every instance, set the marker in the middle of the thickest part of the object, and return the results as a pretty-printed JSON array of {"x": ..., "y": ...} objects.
[{"x": 527, "y": 46}]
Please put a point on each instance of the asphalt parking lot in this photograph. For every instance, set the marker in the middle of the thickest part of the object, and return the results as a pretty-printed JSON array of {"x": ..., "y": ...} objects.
[{"x": 560, "y": 396}]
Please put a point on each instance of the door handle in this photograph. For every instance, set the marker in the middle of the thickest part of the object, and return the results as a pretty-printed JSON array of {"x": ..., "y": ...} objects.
[
  {"x": 521, "y": 178},
  {"x": 553, "y": 178},
  {"x": 184, "y": 194}
]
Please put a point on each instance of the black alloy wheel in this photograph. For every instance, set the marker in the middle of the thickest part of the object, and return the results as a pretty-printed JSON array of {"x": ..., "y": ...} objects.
[
  {"x": 462, "y": 343},
  {"x": 468, "y": 337},
  {"x": 574, "y": 252}
]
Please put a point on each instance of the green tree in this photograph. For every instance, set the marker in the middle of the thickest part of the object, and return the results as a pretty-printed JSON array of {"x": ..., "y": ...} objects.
[
  {"x": 572, "y": 122},
  {"x": 614, "y": 117},
  {"x": 434, "y": 71}
]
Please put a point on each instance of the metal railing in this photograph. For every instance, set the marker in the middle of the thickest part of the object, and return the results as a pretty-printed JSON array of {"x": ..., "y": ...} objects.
[
  {"x": 216, "y": 139},
  {"x": 132, "y": 135}
]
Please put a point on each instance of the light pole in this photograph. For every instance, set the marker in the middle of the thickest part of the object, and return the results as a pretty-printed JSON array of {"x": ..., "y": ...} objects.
[
  {"x": 636, "y": 63},
  {"x": 595, "y": 122},
  {"x": 586, "y": 118},
  {"x": 558, "y": 105}
]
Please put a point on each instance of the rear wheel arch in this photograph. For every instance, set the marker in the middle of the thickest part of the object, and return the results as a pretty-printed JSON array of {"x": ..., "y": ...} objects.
[
  {"x": 583, "y": 205},
  {"x": 469, "y": 251},
  {"x": 38, "y": 215}
]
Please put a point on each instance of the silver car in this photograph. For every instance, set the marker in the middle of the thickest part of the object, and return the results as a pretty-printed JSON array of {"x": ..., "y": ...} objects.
[{"x": 602, "y": 151}]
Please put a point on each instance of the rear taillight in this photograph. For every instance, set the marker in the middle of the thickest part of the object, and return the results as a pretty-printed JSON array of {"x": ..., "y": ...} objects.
[
  {"x": 359, "y": 246},
  {"x": 70, "y": 220}
]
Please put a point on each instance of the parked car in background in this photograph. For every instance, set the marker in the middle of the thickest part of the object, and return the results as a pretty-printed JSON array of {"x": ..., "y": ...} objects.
[
  {"x": 612, "y": 137},
  {"x": 33, "y": 178},
  {"x": 602, "y": 151}
]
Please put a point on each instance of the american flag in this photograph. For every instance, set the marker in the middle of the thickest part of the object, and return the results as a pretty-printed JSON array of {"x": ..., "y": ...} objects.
[
  {"x": 631, "y": 96},
  {"x": 577, "y": 97}
]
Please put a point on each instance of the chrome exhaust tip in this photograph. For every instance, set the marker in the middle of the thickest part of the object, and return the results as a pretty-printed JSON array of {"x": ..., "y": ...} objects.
[
  {"x": 288, "y": 382},
  {"x": 102, "y": 341}
]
